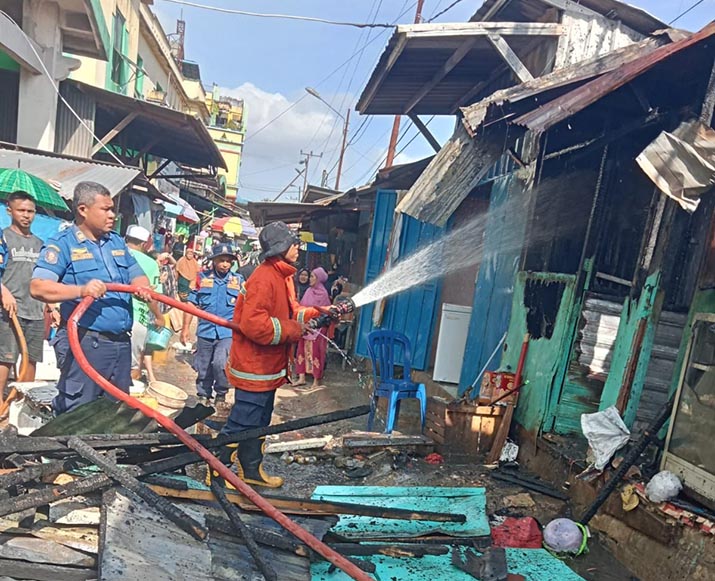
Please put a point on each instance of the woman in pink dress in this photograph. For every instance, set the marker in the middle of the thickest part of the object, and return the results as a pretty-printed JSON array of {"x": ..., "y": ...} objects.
[{"x": 313, "y": 347}]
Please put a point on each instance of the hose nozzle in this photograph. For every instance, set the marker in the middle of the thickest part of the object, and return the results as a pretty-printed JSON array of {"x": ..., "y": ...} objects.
[{"x": 343, "y": 306}]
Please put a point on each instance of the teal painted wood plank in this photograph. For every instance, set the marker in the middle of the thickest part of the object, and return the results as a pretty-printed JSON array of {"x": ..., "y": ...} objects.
[
  {"x": 533, "y": 564},
  {"x": 470, "y": 502}
]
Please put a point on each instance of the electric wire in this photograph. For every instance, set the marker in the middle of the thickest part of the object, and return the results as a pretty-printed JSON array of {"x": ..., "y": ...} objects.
[
  {"x": 452, "y": 5},
  {"x": 679, "y": 16},
  {"x": 280, "y": 16}
]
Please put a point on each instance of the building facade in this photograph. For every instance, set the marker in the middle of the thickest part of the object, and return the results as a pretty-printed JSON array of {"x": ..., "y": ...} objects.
[{"x": 227, "y": 127}]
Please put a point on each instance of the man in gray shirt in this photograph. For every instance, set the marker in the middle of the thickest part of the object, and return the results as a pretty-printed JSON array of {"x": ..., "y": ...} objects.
[{"x": 23, "y": 251}]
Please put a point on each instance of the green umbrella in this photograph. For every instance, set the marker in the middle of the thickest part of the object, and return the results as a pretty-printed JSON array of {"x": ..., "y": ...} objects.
[{"x": 17, "y": 180}]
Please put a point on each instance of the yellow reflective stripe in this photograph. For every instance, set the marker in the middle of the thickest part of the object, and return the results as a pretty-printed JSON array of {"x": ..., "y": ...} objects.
[
  {"x": 254, "y": 376},
  {"x": 242, "y": 289},
  {"x": 301, "y": 316},
  {"x": 276, "y": 331}
]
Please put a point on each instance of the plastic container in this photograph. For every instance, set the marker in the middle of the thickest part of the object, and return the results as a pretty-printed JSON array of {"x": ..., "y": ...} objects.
[
  {"x": 167, "y": 395},
  {"x": 158, "y": 338}
]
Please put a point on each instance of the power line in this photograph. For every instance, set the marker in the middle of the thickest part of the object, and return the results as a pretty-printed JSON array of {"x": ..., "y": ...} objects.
[
  {"x": 281, "y": 16},
  {"x": 452, "y": 5},
  {"x": 679, "y": 16}
]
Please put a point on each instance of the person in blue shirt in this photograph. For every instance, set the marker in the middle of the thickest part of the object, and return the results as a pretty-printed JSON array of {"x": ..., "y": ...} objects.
[
  {"x": 77, "y": 263},
  {"x": 216, "y": 293}
]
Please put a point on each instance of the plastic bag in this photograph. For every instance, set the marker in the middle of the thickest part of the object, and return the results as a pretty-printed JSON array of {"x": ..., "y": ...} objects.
[
  {"x": 606, "y": 433},
  {"x": 563, "y": 535},
  {"x": 663, "y": 486}
]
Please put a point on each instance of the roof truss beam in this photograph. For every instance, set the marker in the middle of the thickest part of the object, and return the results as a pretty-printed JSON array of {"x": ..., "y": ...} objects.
[
  {"x": 112, "y": 133},
  {"x": 510, "y": 57},
  {"x": 425, "y": 132},
  {"x": 444, "y": 70},
  {"x": 573, "y": 7},
  {"x": 455, "y": 29}
]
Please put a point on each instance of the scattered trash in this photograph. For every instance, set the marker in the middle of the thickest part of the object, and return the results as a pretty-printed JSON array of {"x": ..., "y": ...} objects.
[
  {"x": 518, "y": 533},
  {"x": 521, "y": 500},
  {"x": 348, "y": 462},
  {"x": 606, "y": 433},
  {"x": 434, "y": 458},
  {"x": 509, "y": 452},
  {"x": 294, "y": 445},
  {"x": 564, "y": 536},
  {"x": 663, "y": 486},
  {"x": 358, "y": 472},
  {"x": 629, "y": 498}
]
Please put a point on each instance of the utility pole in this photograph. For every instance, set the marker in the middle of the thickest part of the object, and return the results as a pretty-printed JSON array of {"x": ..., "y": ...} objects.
[
  {"x": 396, "y": 123},
  {"x": 342, "y": 151},
  {"x": 306, "y": 162}
]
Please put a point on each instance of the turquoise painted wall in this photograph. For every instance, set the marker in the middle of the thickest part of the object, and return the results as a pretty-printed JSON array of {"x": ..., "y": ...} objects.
[{"x": 546, "y": 356}]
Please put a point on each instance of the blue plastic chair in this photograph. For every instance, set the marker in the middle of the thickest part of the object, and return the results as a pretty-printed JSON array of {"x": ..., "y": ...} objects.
[{"x": 384, "y": 348}]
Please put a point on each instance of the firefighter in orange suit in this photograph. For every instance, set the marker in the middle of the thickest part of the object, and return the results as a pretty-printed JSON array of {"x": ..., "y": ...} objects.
[{"x": 271, "y": 321}]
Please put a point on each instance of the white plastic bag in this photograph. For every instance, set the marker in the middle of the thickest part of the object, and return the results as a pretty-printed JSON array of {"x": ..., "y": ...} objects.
[
  {"x": 606, "y": 433},
  {"x": 663, "y": 486}
]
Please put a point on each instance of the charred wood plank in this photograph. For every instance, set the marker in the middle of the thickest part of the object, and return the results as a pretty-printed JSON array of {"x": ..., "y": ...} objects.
[
  {"x": 128, "y": 481},
  {"x": 267, "y": 537},
  {"x": 235, "y": 517}
]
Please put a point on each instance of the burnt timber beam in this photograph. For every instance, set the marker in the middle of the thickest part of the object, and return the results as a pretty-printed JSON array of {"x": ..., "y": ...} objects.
[
  {"x": 112, "y": 133},
  {"x": 268, "y": 572},
  {"x": 425, "y": 132},
  {"x": 128, "y": 481},
  {"x": 511, "y": 58},
  {"x": 706, "y": 111},
  {"x": 456, "y": 57}
]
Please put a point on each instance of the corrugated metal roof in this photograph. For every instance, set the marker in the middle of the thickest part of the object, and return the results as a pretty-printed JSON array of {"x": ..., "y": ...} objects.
[
  {"x": 568, "y": 77},
  {"x": 68, "y": 172},
  {"x": 415, "y": 57},
  {"x": 632, "y": 16},
  {"x": 561, "y": 108}
]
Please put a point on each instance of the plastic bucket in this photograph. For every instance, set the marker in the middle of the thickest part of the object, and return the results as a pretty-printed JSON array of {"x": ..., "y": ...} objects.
[
  {"x": 158, "y": 338},
  {"x": 167, "y": 395}
]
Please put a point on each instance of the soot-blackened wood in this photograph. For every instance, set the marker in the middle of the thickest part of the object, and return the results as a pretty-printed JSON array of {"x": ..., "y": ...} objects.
[
  {"x": 235, "y": 517},
  {"x": 128, "y": 481}
]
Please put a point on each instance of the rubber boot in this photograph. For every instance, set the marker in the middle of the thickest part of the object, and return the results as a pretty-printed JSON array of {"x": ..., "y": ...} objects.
[
  {"x": 227, "y": 456},
  {"x": 250, "y": 465}
]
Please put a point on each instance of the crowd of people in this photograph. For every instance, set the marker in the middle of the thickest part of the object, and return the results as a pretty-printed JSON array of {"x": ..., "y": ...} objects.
[{"x": 274, "y": 309}]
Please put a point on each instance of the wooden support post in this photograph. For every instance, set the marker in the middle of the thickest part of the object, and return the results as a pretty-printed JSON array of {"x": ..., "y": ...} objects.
[
  {"x": 112, "y": 133},
  {"x": 128, "y": 481},
  {"x": 425, "y": 132},
  {"x": 510, "y": 57}
]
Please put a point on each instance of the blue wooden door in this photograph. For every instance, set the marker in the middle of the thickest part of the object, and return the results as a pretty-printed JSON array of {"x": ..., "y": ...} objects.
[
  {"x": 495, "y": 282},
  {"x": 411, "y": 312},
  {"x": 383, "y": 220}
]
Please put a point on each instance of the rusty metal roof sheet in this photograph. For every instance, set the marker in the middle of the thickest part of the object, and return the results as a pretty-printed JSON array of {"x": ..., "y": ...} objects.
[
  {"x": 561, "y": 108},
  {"x": 170, "y": 134},
  {"x": 475, "y": 115},
  {"x": 69, "y": 172},
  {"x": 632, "y": 16}
]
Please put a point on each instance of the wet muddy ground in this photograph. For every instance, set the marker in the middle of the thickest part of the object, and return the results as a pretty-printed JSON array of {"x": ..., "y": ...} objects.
[{"x": 388, "y": 468}]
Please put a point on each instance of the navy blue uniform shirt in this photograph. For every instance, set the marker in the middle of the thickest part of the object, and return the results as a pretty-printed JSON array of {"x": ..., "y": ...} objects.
[
  {"x": 71, "y": 258},
  {"x": 217, "y": 295}
]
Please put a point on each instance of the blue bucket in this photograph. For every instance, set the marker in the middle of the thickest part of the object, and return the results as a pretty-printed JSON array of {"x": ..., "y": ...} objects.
[{"x": 158, "y": 338}]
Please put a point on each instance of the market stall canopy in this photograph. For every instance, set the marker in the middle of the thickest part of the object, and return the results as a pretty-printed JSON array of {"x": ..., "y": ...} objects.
[
  {"x": 181, "y": 210},
  {"x": 143, "y": 127},
  {"x": 235, "y": 225},
  {"x": 44, "y": 195},
  {"x": 68, "y": 172}
]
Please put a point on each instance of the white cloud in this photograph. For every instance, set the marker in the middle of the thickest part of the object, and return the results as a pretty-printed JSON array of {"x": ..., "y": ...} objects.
[{"x": 278, "y": 127}]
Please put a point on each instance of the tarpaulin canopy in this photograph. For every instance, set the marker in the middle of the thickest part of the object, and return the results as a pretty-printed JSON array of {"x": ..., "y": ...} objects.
[
  {"x": 181, "y": 210},
  {"x": 234, "y": 225}
]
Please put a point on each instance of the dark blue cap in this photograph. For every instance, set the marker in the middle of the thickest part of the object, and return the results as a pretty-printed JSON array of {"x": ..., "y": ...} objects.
[{"x": 222, "y": 250}]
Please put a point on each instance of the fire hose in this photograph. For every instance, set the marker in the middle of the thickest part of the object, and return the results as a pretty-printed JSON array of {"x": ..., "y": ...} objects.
[
  {"x": 20, "y": 375},
  {"x": 167, "y": 423}
]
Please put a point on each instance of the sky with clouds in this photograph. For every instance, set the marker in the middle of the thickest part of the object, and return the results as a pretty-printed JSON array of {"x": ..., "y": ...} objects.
[{"x": 270, "y": 62}]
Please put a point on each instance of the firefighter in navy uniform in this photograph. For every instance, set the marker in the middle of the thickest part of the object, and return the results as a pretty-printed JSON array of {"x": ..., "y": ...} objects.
[
  {"x": 79, "y": 262},
  {"x": 216, "y": 292}
]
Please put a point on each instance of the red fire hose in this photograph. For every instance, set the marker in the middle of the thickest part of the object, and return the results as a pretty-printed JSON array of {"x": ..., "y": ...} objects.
[{"x": 314, "y": 543}]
